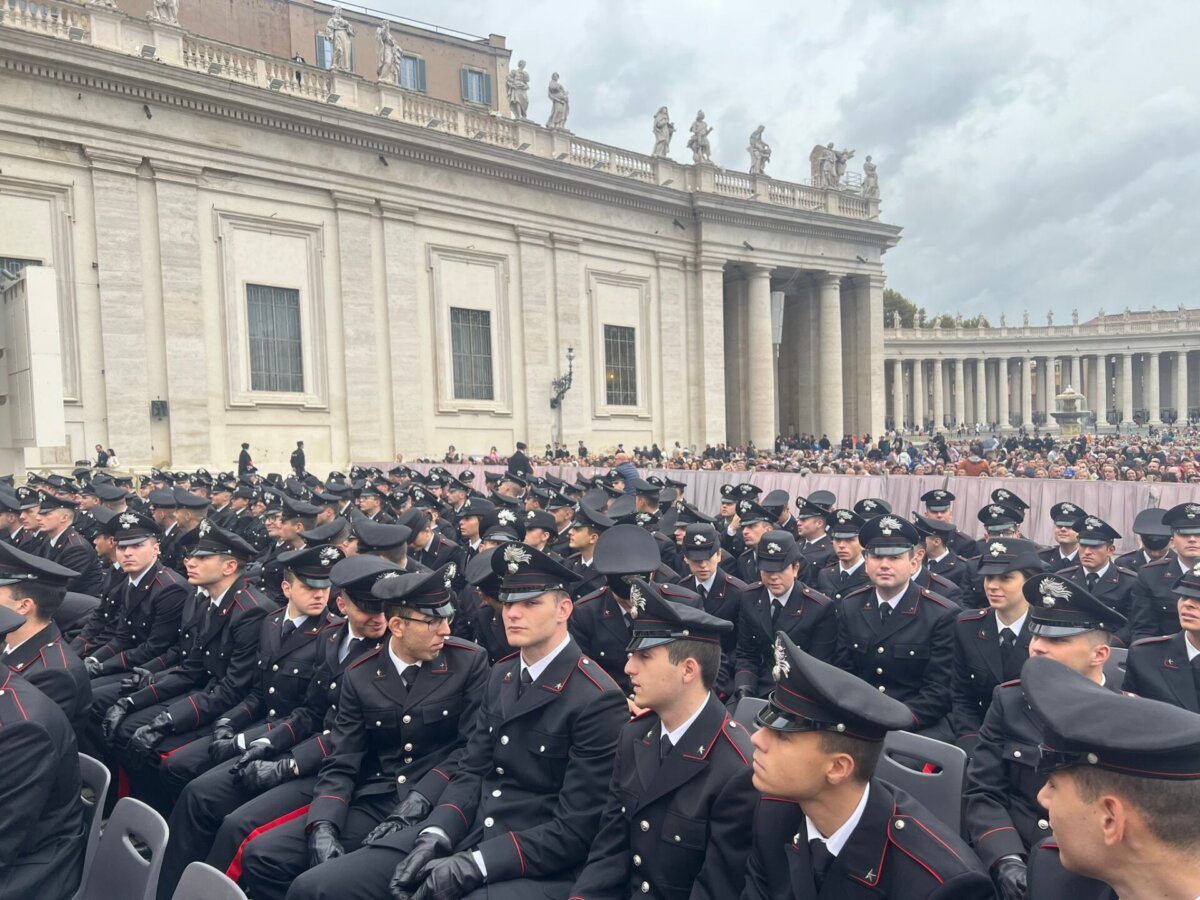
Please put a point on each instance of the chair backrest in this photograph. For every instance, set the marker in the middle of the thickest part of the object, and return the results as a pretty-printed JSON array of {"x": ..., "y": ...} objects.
[
  {"x": 119, "y": 868},
  {"x": 940, "y": 791},
  {"x": 201, "y": 881},
  {"x": 1114, "y": 669},
  {"x": 96, "y": 779},
  {"x": 745, "y": 712}
]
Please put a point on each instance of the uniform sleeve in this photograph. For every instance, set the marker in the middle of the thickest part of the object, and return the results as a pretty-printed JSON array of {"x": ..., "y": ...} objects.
[
  {"x": 605, "y": 876},
  {"x": 30, "y": 760},
  {"x": 435, "y": 781},
  {"x": 164, "y": 631},
  {"x": 335, "y": 784},
  {"x": 250, "y": 710},
  {"x": 932, "y": 701},
  {"x": 201, "y": 707},
  {"x": 758, "y": 886},
  {"x": 964, "y": 711},
  {"x": 1142, "y": 621},
  {"x": 747, "y": 656},
  {"x": 729, "y": 838},
  {"x": 824, "y": 636},
  {"x": 986, "y": 817},
  {"x": 1134, "y": 681}
]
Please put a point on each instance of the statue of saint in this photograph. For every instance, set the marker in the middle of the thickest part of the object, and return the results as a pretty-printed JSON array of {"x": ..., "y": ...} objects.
[
  {"x": 823, "y": 164},
  {"x": 841, "y": 157},
  {"x": 698, "y": 142},
  {"x": 1075, "y": 316},
  {"x": 389, "y": 54},
  {"x": 517, "y": 85},
  {"x": 1050, "y": 317},
  {"x": 1026, "y": 318},
  {"x": 760, "y": 151},
  {"x": 870, "y": 183},
  {"x": 664, "y": 130},
  {"x": 560, "y": 105},
  {"x": 338, "y": 32},
  {"x": 166, "y": 12},
  {"x": 1003, "y": 320}
]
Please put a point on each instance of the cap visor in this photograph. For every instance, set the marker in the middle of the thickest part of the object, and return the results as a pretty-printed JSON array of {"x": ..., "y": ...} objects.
[
  {"x": 132, "y": 541},
  {"x": 518, "y": 596},
  {"x": 1055, "y": 631},
  {"x": 700, "y": 555},
  {"x": 315, "y": 582},
  {"x": 646, "y": 641},
  {"x": 889, "y": 551}
]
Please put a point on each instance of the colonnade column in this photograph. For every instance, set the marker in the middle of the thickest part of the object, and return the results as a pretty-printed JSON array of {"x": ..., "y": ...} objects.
[
  {"x": 939, "y": 412},
  {"x": 918, "y": 389},
  {"x": 1026, "y": 396},
  {"x": 981, "y": 390},
  {"x": 898, "y": 394},
  {"x": 1181, "y": 385},
  {"x": 1126, "y": 388},
  {"x": 830, "y": 286},
  {"x": 760, "y": 357},
  {"x": 960, "y": 393},
  {"x": 1002, "y": 392},
  {"x": 1154, "y": 401}
]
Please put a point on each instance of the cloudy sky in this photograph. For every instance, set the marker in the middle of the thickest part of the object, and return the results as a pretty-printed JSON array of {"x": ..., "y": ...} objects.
[{"x": 1038, "y": 154}]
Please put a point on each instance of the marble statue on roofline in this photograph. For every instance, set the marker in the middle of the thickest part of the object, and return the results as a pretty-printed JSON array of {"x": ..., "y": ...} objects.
[
  {"x": 517, "y": 85},
  {"x": 664, "y": 130},
  {"x": 698, "y": 142},
  {"x": 759, "y": 150},
  {"x": 870, "y": 182},
  {"x": 166, "y": 12},
  {"x": 389, "y": 54},
  {"x": 338, "y": 31},
  {"x": 560, "y": 104}
]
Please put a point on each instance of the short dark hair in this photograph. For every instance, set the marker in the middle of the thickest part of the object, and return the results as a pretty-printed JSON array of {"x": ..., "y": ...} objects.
[
  {"x": 1169, "y": 807},
  {"x": 707, "y": 655},
  {"x": 864, "y": 753},
  {"x": 46, "y": 598},
  {"x": 397, "y": 554}
]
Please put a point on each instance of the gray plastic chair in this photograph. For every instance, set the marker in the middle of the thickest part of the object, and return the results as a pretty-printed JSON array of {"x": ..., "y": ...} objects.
[
  {"x": 201, "y": 881},
  {"x": 745, "y": 712},
  {"x": 940, "y": 791},
  {"x": 1114, "y": 669},
  {"x": 96, "y": 780},
  {"x": 118, "y": 869}
]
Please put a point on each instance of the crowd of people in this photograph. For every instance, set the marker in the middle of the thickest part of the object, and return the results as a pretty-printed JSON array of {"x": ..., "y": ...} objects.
[{"x": 404, "y": 683}]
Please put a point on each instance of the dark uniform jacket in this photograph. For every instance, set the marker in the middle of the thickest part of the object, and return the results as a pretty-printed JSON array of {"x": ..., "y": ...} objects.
[
  {"x": 746, "y": 567},
  {"x": 24, "y": 539},
  {"x": 603, "y": 630},
  {"x": 74, "y": 613},
  {"x": 306, "y": 730},
  {"x": 1114, "y": 588},
  {"x": 169, "y": 551},
  {"x": 675, "y": 828},
  {"x": 1153, "y": 606},
  {"x": 809, "y": 618},
  {"x": 724, "y": 601},
  {"x": 221, "y": 661},
  {"x": 150, "y": 618},
  {"x": 101, "y": 624},
  {"x": 41, "y": 817},
  {"x": 943, "y": 586},
  {"x": 1159, "y": 668},
  {"x": 285, "y": 668},
  {"x": 1055, "y": 561},
  {"x": 898, "y": 851},
  {"x": 438, "y": 552},
  {"x": 911, "y": 658},
  {"x": 950, "y": 567},
  {"x": 835, "y": 584},
  {"x": 54, "y": 669},
  {"x": 1135, "y": 559},
  {"x": 391, "y": 740},
  {"x": 75, "y": 552},
  {"x": 478, "y": 622},
  {"x": 817, "y": 554},
  {"x": 977, "y": 667},
  {"x": 590, "y": 580},
  {"x": 533, "y": 783},
  {"x": 965, "y": 546},
  {"x": 1048, "y": 880},
  {"x": 193, "y": 616}
]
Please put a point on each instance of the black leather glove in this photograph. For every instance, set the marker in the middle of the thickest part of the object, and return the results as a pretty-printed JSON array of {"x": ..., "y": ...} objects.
[
  {"x": 113, "y": 718},
  {"x": 263, "y": 775},
  {"x": 323, "y": 843},
  {"x": 148, "y": 736},
  {"x": 411, "y": 810},
  {"x": 1011, "y": 876},
  {"x": 428, "y": 847},
  {"x": 92, "y": 665},
  {"x": 450, "y": 878},
  {"x": 257, "y": 750},
  {"x": 224, "y": 742},
  {"x": 136, "y": 679}
]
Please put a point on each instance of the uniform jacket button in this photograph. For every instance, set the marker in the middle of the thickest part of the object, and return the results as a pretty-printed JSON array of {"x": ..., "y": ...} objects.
[
  {"x": 499, "y": 770},
  {"x": 1043, "y": 824},
  {"x": 408, "y": 748},
  {"x": 878, "y": 649},
  {"x": 489, "y": 822},
  {"x": 645, "y": 887},
  {"x": 637, "y": 860},
  {"x": 496, "y": 793},
  {"x": 402, "y": 779},
  {"x": 406, "y": 719},
  {"x": 504, "y": 739},
  {"x": 644, "y": 825}
]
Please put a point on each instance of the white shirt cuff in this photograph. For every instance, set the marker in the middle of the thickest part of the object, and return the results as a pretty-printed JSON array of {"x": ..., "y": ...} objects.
[{"x": 478, "y": 857}]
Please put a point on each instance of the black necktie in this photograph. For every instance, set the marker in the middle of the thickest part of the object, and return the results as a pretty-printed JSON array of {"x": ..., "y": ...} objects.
[
  {"x": 1196, "y": 674},
  {"x": 409, "y": 675},
  {"x": 288, "y": 627},
  {"x": 776, "y": 609},
  {"x": 843, "y": 577},
  {"x": 821, "y": 858},
  {"x": 525, "y": 681},
  {"x": 1010, "y": 656},
  {"x": 665, "y": 747},
  {"x": 1092, "y": 579},
  {"x": 349, "y": 648},
  {"x": 885, "y": 612},
  {"x": 703, "y": 594}
]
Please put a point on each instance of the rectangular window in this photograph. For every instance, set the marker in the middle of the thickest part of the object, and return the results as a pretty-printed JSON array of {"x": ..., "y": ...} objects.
[
  {"x": 620, "y": 366},
  {"x": 471, "y": 349},
  {"x": 11, "y": 265},
  {"x": 412, "y": 73},
  {"x": 476, "y": 87},
  {"x": 273, "y": 317}
]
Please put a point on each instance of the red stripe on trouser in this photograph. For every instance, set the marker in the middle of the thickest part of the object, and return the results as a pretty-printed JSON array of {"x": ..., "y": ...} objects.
[
  {"x": 122, "y": 782},
  {"x": 235, "y": 868}
]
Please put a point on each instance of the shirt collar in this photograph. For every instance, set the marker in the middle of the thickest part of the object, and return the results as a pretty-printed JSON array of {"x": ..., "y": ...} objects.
[
  {"x": 782, "y": 600},
  {"x": 1101, "y": 572},
  {"x": 400, "y": 664},
  {"x": 1016, "y": 626},
  {"x": 836, "y": 841},
  {"x": 894, "y": 602},
  {"x": 708, "y": 585},
  {"x": 852, "y": 569},
  {"x": 298, "y": 621},
  {"x": 217, "y": 601},
  {"x": 939, "y": 558},
  {"x": 677, "y": 735},
  {"x": 142, "y": 574},
  {"x": 1192, "y": 650},
  {"x": 536, "y": 670}
]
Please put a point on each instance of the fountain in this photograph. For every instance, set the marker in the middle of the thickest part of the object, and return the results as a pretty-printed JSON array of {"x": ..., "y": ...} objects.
[{"x": 1070, "y": 412}]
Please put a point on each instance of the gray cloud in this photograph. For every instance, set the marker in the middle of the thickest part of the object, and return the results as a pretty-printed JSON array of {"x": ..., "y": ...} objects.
[{"x": 1039, "y": 155}]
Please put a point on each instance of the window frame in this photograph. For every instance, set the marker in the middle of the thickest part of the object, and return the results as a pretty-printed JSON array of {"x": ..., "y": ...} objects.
[
  {"x": 637, "y": 315},
  {"x": 299, "y": 339},
  {"x": 455, "y": 354},
  {"x": 610, "y": 387},
  {"x": 485, "y": 82},
  {"x": 419, "y": 69}
]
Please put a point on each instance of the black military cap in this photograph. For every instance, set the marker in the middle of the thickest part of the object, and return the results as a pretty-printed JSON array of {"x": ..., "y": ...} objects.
[
  {"x": 888, "y": 536},
  {"x": 586, "y": 517},
  {"x": 188, "y": 500},
  {"x": 213, "y": 540},
  {"x": 526, "y": 573},
  {"x": 503, "y": 525},
  {"x": 1065, "y": 515},
  {"x": 416, "y": 520},
  {"x": 537, "y": 518},
  {"x": 376, "y": 536},
  {"x": 28, "y": 498},
  {"x": 244, "y": 492},
  {"x": 777, "y": 550},
  {"x": 162, "y": 498},
  {"x": 320, "y": 498},
  {"x": 202, "y": 476},
  {"x": 19, "y": 567},
  {"x": 747, "y": 491},
  {"x": 9, "y": 502},
  {"x": 492, "y": 477},
  {"x": 870, "y": 507},
  {"x": 129, "y": 528},
  {"x": 825, "y": 499},
  {"x": 428, "y": 592},
  {"x": 1008, "y": 498},
  {"x": 844, "y": 523},
  {"x": 1062, "y": 608},
  {"x": 475, "y": 507},
  {"x": 375, "y": 490},
  {"x": 53, "y": 501},
  {"x": 1149, "y": 523},
  {"x": 466, "y": 478},
  {"x": 641, "y": 486},
  {"x": 700, "y": 541},
  {"x": 1002, "y": 555},
  {"x": 1183, "y": 519},
  {"x": 775, "y": 502},
  {"x": 1188, "y": 584},
  {"x": 689, "y": 515},
  {"x": 514, "y": 479},
  {"x": 298, "y": 509},
  {"x": 937, "y": 500},
  {"x": 998, "y": 518},
  {"x": 621, "y": 507},
  {"x": 665, "y": 613},
  {"x": 749, "y": 512},
  {"x": 107, "y": 492},
  {"x": 400, "y": 471},
  {"x": 1085, "y": 725},
  {"x": 480, "y": 574},
  {"x": 1095, "y": 532},
  {"x": 356, "y": 576},
  {"x": 330, "y": 533},
  {"x": 811, "y": 695},
  {"x": 422, "y": 497},
  {"x": 312, "y": 565},
  {"x": 626, "y": 550},
  {"x": 62, "y": 483},
  {"x": 557, "y": 501},
  {"x": 928, "y": 527},
  {"x": 729, "y": 493},
  {"x": 809, "y": 509},
  {"x": 339, "y": 489},
  {"x": 90, "y": 522}
]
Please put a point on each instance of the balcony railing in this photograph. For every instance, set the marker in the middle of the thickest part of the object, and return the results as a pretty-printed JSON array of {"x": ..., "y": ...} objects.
[{"x": 111, "y": 29}]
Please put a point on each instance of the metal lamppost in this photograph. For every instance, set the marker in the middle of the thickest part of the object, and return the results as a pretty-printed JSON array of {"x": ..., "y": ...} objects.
[{"x": 558, "y": 389}]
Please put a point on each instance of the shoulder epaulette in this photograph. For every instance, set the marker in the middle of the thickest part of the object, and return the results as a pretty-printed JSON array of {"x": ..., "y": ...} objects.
[
  {"x": 599, "y": 592},
  {"x": 591, "y": 671},
  {"x": 507, "y": 658},
  {"x": 1151, "y": 640},
  {"x": 366, "y": 656},
  {"x": 736, "y": 582},
  {"x": 1016, "y": 682},
  {"x": 1126, "y": 571},
  {"x": 912, "y": 836},
  {"x": 460, "y": 644},
  {"x": 1158, "y": 563},
  {"x": 813, "y": 594},
  {"x": 861, "y": 589},
  {"x": 941, "y": 601},
  {"x": 971, "y": 615},
  {"x": 1067, "y": 570}
]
